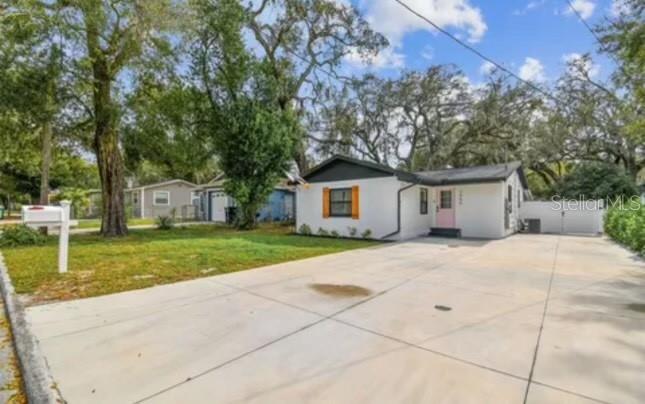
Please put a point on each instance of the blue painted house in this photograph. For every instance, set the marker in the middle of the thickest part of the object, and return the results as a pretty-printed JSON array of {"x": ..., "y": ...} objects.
[{"x": 216, "y": 205}]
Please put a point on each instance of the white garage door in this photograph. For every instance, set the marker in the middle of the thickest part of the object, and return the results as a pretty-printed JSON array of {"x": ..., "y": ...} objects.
[{"x": 218, "y": 206}]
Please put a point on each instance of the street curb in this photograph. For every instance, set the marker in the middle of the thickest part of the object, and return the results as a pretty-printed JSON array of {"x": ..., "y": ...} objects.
[{"x": 38, "y": 381}]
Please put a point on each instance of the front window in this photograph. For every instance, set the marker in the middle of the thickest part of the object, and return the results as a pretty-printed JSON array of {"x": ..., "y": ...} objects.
[
  {"x": 161, "y": 198},
  {"x": 445, "y": 199},
  {"x": 340, "y": 202},
  {"x": 424, "y": 201},
  {"x": 510, "y": 198}
]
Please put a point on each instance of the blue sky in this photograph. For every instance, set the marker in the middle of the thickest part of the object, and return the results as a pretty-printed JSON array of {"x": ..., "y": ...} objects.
[{"x": 507, "y": 31}]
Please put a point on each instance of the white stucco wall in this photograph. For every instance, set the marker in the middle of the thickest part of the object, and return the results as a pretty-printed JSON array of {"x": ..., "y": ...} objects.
[
  {"x": 377, "y": 206},
  {"x": 480, "y": 210},
  {"x": 413, "y": 223}
]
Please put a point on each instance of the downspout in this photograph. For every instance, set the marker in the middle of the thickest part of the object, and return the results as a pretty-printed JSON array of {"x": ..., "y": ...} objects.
[{"x": 398, "y": 210}]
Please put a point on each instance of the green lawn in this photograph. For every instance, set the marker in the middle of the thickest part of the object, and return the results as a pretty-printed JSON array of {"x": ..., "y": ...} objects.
[
  {"x": 150, "y": 257},
  {"x": 96, "y": 223}
]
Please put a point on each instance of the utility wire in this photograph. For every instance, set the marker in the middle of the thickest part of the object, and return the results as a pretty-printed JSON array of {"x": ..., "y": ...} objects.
[
  {"x": 598, "y": 40},
  {"x": 476, "y": 52},
  {"x": 582, "y": 20}
]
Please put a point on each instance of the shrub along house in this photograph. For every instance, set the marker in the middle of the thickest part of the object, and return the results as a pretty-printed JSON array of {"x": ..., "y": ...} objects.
[{"x": 351, "y": 196}]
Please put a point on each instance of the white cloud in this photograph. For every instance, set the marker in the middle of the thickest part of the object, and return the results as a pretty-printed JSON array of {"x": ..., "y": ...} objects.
[
  {"x": 387, "y": 58},
  {"x": 532, "y": 70},
  {"x": 531, "y": 5},
  {"x": 394, "y": 21},
  {"x": 486, "y": 68},
  {"x": 427, "y": 53},
  {"x": 587, "y": 64},
  {"x": 584, "y": 7}
]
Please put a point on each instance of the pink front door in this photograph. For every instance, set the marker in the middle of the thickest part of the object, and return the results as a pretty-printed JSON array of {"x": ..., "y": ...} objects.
[{"x": 446, "y": 208}]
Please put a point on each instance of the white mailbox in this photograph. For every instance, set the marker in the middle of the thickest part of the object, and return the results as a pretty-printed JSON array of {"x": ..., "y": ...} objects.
[
  {"x": 51, "y": 216},
  {"x": 33, "y": 216}
]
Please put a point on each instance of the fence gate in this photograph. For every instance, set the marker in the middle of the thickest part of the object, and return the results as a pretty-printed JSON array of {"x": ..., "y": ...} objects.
[{"x": 565, "y": 217}]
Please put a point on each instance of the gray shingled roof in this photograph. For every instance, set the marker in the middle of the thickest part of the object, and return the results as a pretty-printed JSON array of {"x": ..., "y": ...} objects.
[
  {"x": 493, "y": 172},
  {"x": 467, "y": 175}
]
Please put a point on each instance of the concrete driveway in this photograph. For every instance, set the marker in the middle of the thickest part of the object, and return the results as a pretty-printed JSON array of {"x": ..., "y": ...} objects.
[{"x": 538, "y": 319}]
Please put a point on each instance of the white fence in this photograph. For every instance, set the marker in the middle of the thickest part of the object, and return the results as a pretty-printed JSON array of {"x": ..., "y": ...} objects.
[{"x": 574, "y": 217}]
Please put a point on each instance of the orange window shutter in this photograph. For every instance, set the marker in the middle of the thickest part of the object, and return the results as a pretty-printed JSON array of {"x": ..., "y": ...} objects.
[
  {"x": 325, "y": 202},
  {"x": 355, "y": 202}
]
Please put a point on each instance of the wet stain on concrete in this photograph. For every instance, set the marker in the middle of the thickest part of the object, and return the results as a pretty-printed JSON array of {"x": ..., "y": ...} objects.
[
  {"x": 340, "y": 290},
  {"x": 639, "y": 307}
]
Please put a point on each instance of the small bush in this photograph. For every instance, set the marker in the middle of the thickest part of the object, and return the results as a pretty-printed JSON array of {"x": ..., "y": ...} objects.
[
  {"x": 352, "y": 231},
  {"x": 334, "y": 234},
  {"x": 323, "y": 232},
  {"x": 627, "y": 226},
  {"x": 366, "y": 234},
  {"x": 13, "y": 236},
  {"x": 165, "y": 222},
  {"x": 304, "y": 229}
]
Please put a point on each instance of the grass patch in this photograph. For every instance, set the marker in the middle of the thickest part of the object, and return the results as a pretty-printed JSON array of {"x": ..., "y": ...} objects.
[{"x": 144, "y": 258}]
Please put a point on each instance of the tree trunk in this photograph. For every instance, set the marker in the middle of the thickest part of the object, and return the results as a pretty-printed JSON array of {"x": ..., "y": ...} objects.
[
  {"x": 108, "y": 157},
  {"x": 46, "y": 157}
]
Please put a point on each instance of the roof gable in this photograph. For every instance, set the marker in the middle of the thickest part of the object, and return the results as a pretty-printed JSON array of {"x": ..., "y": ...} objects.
[
  {"x": 339, "y": 169},
  {"x": 164, "y": 183}
]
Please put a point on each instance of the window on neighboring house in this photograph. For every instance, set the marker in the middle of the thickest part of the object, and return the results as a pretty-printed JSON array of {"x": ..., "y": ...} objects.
[
  {"x": 519, "y": 198},
  {"x": 194, "y": 198},
  {"x": 161, "y": 198},
  {"x": 510, "y": 198},
  {"x": 445, "y": 200},
  {"x": 424, "y": 201},
  {"x": 340, "y": 202}
]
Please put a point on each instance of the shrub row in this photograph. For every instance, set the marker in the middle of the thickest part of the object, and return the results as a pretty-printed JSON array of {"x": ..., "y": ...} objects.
[
  {"x": 305, "y": 230},
  {"x": 627, "y": 226}
]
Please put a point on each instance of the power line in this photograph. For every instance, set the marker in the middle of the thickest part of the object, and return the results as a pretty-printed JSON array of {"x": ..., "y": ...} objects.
[
  {"x": 597, "y": 38},
  {"x": 475, "y": 51},
  {"x": 582, "y": 20}
]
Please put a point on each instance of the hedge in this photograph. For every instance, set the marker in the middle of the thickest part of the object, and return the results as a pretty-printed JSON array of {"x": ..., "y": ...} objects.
[{"x": 627, "y": 226}]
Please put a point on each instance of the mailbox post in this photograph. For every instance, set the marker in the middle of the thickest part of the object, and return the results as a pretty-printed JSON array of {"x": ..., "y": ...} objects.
[{"x": 52, "y": 216}]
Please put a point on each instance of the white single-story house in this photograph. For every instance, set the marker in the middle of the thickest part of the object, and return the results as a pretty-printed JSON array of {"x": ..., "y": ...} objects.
[
  {"x": 177, "y": 197},
  {"x": 352, "y": 196},
  {"x": 216, "y": 205}
]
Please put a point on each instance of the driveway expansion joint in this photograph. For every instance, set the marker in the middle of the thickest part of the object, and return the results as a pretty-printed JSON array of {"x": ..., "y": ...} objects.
[{"x": 544, "y": 311}]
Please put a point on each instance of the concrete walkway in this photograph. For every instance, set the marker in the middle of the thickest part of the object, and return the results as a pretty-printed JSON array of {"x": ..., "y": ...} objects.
[{"x": 532, "y": 318}]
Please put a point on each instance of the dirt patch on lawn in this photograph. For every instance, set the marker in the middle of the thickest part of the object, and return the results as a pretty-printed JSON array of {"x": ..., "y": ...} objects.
[{"x": 340, "y": 290}]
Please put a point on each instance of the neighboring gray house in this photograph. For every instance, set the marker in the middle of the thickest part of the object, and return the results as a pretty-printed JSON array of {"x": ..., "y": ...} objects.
[{"x": 175, "y": 197}]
